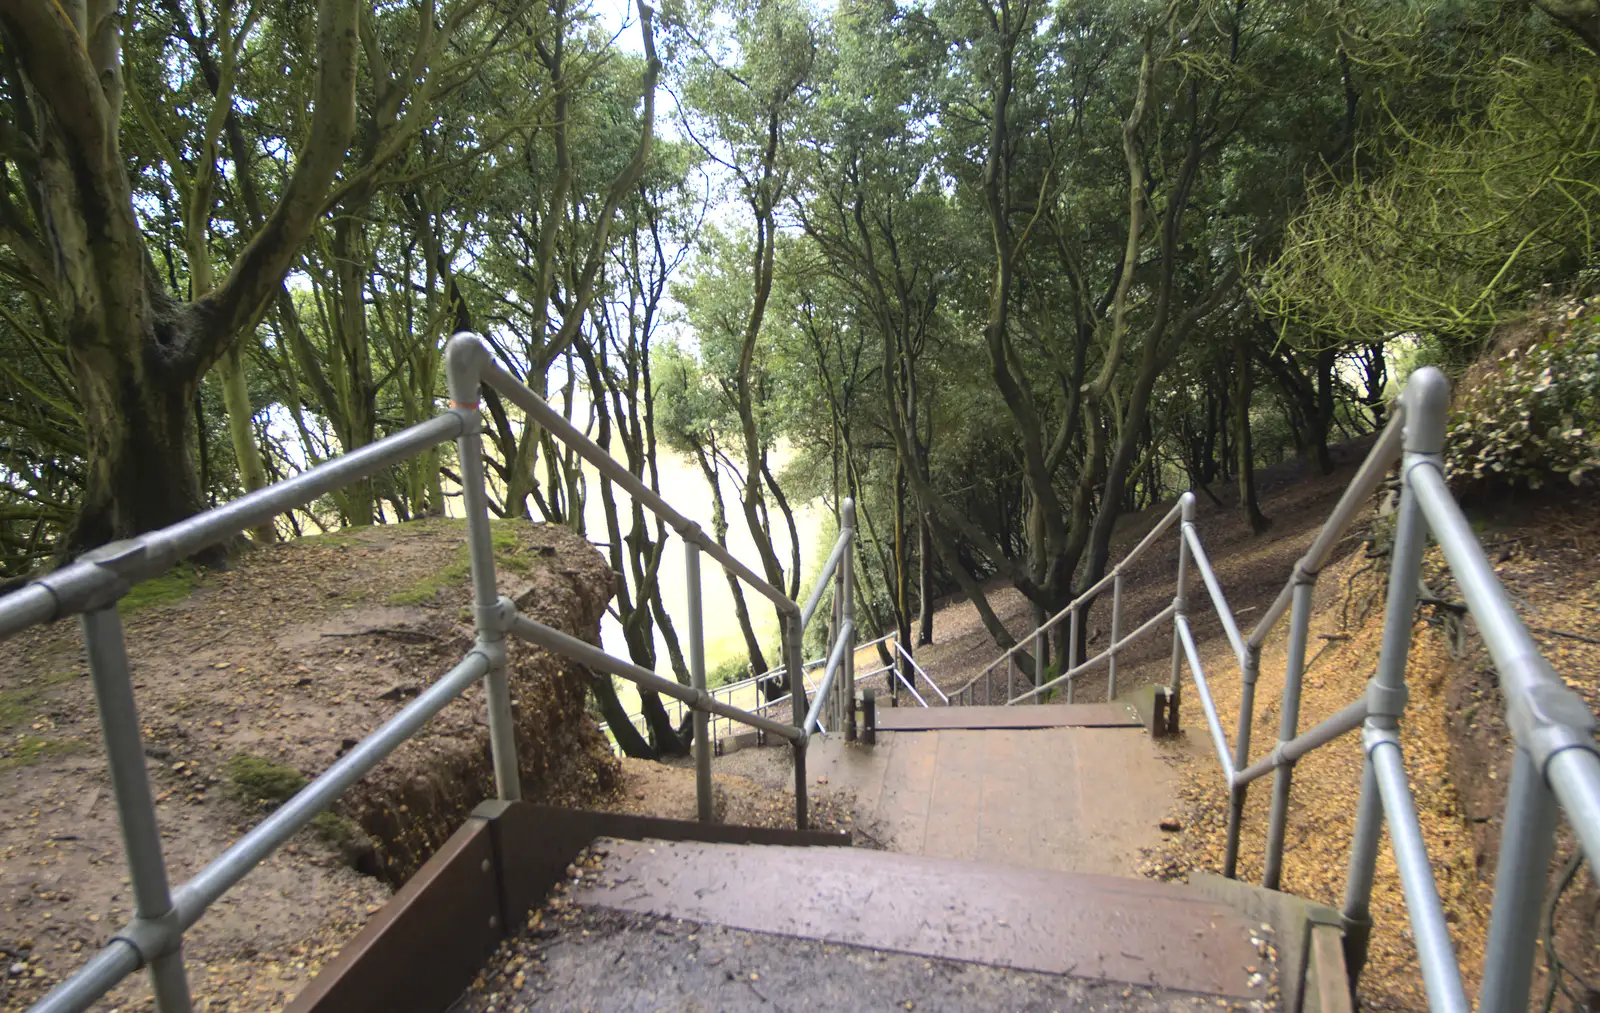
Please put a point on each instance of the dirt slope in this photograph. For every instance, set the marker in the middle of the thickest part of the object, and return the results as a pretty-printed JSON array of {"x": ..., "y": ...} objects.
[{"x": 247, "y": 681}]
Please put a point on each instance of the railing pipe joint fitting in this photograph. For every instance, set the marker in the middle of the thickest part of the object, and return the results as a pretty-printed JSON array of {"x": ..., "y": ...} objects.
[
  {"x": 1372, "y": 737},
  {"x": 1549, "y": 717},
  {"x": 82, "y": 587},
  {"x": 493, "y": 622},
  {"x": 692, "y": 533},
  {"x": 101, "y": 576},
  {"x": 1302, "y": 576},
  {"x": 1250, "y": 664},
  {"x": 1427, "y": 401},
  {"x": 471, "y": 419},
  {"x": 492, "y": 650},
  {"x": 153, "y": 938},
  {"x": 1385, "y": 704}
]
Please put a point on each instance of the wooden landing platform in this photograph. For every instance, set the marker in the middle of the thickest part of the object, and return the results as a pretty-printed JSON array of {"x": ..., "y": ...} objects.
[
  {"x": 1082, "y": 715},
  {"x": 1096, "y": 927},
  {"x": 1072, "y": 799}
]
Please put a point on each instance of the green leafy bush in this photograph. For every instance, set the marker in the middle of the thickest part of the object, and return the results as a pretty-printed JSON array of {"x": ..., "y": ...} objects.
[{"x": 1533, "y": 415}]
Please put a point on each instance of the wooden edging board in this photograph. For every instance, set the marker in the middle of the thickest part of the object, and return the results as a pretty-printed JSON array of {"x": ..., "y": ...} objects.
[{"x": 423, "y": 948}]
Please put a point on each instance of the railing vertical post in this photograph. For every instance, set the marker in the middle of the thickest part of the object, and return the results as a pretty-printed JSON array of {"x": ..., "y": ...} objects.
[
  {"x": 797, "y": 702},
  {"x": 1073, "y": 623},
  {"x": 1011, "y": 679},
  {"x": 1427, "y": 401},
  {"x": 1041, "y": 648},
  {"x": 1249, "y": 669},
  {"x": 697, "y": 678},
  {"x": 847, "y": 594},
  {"x": 465, "y": 358},
  {"x": 1526, "y": 841},
  {"x": 1289, "y": 725},
  {"x": 1180, "y": 607},
  {"x": 1116, "y": 632},
  {"x": 130, "y": 785}
]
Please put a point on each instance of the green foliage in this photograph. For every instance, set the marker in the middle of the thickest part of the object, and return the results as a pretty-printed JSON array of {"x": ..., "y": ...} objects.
[
  {"x": 503, "y": 535},
  {"x": 261, "y": 783},
  {"x": 257, "y": 780},
  {"x": 1533, "y": 415},
  {"x": 1464, "y": 216},
  {"x": 20, "y": 705},
  {"x": 732, "y": 669},
  {"x": 173, "y": 586},
  {"x": 28, "y": 749},
  {"x": 19, "y": 746}
]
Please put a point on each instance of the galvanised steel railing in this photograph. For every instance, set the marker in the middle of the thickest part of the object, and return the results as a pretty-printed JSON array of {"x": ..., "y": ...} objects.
[
  {"x": 1555, "y": 760},
  {"x": 1039, "y": 686},
  {"x": 91, "y": 586},
  {"x": 754, "y": 685}
]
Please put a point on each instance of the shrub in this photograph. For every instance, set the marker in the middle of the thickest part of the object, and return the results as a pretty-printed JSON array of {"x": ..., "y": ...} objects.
[{"x": 1532, "y": 415}]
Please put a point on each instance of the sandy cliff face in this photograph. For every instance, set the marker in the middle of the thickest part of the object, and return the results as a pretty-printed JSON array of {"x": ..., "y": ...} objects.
[{"x": 250, "y": 681}]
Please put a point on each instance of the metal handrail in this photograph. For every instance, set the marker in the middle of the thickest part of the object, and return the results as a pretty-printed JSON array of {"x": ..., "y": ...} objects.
[
  {"x": 92, "y": 585},
  {"x": 840, "y": 547},
  {"x": 729, "y": 689},
  {"x": 835, "y": 664},
  {"x": 897, "y": 674},
  {"x": 1105, "y": 657},
  {"x": 1555, "y": 761},
  {"x": 1171, "y": 517},
  {"x": 922, "y": 672}
]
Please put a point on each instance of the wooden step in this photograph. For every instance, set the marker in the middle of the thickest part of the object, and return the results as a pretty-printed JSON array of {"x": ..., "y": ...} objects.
[
  {"x": 1072, "y": 715},
  {"x": 1086, "y": 926}
]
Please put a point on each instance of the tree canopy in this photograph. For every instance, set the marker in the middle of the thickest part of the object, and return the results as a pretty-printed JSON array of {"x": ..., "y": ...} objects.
[{"x": 1001, "y": 270}]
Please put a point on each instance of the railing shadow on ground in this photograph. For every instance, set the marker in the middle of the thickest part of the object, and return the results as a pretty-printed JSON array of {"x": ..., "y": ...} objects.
[
  {"x": 1556, "y": 760},
  {"x": 91, "y": 586}
]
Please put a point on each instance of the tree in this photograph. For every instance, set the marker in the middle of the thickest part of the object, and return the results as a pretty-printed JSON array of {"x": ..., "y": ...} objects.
[{"x": 137, "y": 350}]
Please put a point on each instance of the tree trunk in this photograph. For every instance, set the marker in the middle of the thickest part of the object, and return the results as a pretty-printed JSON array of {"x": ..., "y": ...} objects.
[
  {"x": 1245, "y": 461},
  {"x": 925, "y": 582},
  {"x": 1324, "y": 417},
  {"x": 236, "y": 398},
  {"x": 140, "y": 474}
]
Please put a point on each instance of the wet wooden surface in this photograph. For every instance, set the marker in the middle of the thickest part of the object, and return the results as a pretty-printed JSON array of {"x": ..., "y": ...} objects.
[
  {"x": 1073, "y": 799},
  {"x": 1082, "y": 715},
  {"x": 1091, "y": 927}
]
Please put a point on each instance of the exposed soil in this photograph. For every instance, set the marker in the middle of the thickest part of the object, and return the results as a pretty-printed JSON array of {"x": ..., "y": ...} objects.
[
  {"x": 1546, "y": 551},
  {"x": 748, "y": 789},
  {"x": 286, "y": 660},
  {"x": 1252, "y": 568},
  {"x": 1456, "y": 749}
]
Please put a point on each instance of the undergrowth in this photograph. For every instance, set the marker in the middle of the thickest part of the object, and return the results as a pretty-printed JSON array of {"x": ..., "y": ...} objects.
[
  {"x": 507, "y": 543},
  {"x": 264, "y": 784}
]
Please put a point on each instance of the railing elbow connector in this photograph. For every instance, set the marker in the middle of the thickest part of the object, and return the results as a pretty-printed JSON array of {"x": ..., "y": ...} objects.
[
  {"x": 1385, "y": 704},
  {"x": 153, "y": 938},
  {"x": 692, "y": 533},
  {"x": 466, "y": 358},
  {"x": 1427, "y": 400},
  {"x": 1549, "y": 718}
]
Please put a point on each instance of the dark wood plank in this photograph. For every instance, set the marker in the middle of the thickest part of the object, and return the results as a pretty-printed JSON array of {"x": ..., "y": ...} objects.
[
  {"x": 1096, "y": 927},
  {"x": 1084, "y": 715}
]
